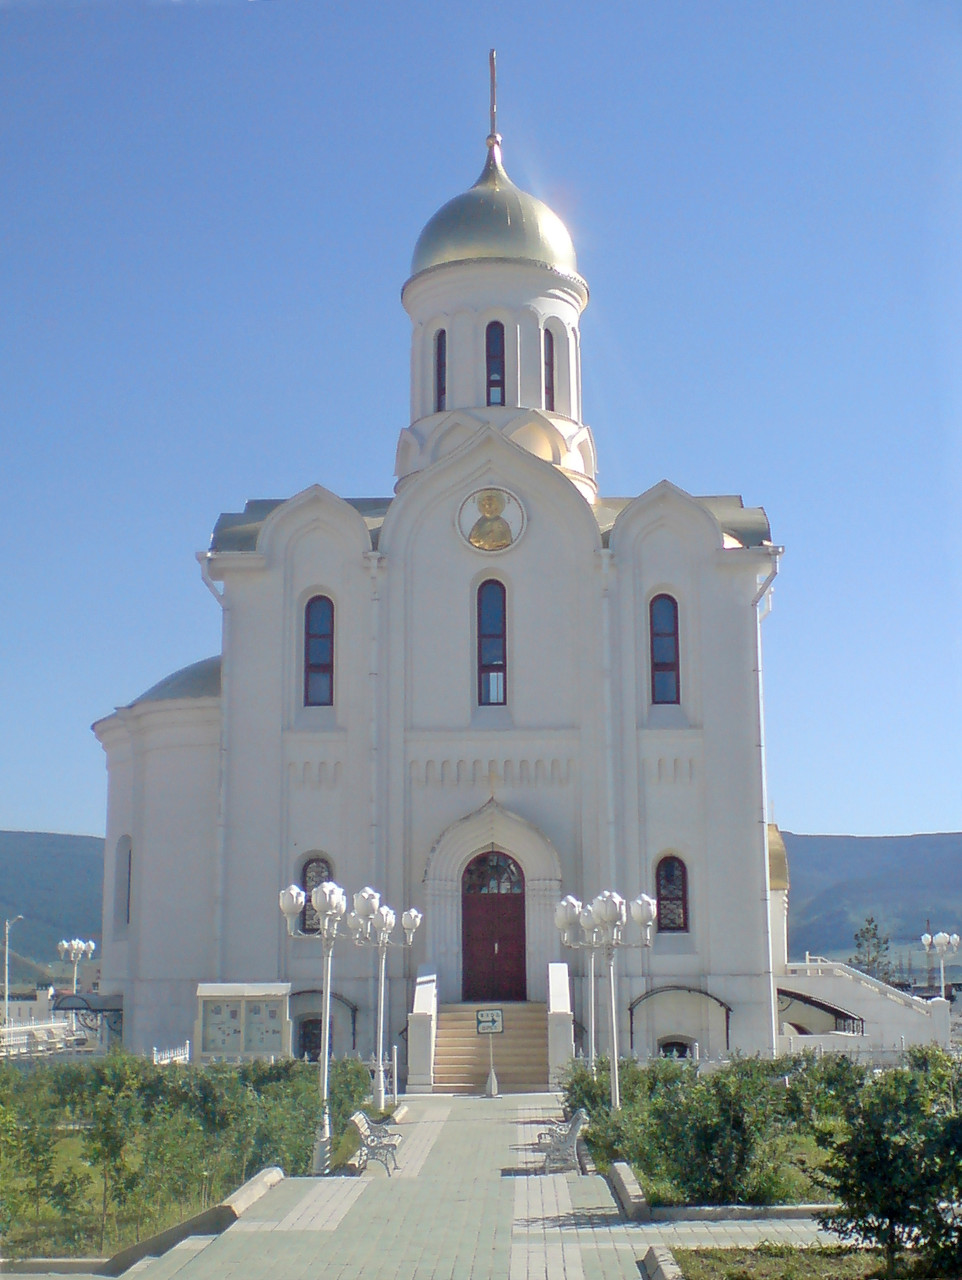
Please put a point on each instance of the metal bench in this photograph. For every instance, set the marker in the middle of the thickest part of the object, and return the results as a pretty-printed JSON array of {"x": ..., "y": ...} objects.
[
  {"x": 560, "y": 1144},
  {"x": 377, "y": 1142}
]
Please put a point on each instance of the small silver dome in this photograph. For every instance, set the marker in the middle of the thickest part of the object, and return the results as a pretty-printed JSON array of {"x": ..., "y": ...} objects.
[{"x": 495, "y": 219}]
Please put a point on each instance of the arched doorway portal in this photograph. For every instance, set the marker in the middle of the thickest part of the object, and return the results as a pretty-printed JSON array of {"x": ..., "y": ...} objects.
[{"x": 492, "y": 929}]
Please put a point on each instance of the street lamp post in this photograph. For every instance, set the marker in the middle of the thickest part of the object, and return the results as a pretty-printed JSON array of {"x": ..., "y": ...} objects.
[
  {"x": 944, "y": 944},
  {"x": 330, "y": 903},
  {"x": 76, "y": 950},
  {"x": 598, "y": 926},
  {"x": 371, "y": 924},
  {"x": 7, "y": 926}
]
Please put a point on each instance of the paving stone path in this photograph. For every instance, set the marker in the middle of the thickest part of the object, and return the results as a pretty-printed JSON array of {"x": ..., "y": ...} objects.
[{"x": 467, "y": 1203}]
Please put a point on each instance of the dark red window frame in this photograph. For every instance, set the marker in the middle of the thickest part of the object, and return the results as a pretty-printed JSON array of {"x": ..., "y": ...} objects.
[
  {"x": 671, "y": 894},
  {"x": 664, "y": 650},
  {"x": 319, "y": 652},
  {"x": 549, "y": 370},
  {"x": 492, "y": 644},
  {"x": 440, "y": 371},
  {"x": 494, "y": 362}
]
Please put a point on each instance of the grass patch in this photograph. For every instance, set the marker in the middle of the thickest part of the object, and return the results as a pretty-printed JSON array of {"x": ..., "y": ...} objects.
[{"x": 769, "y": 1261}]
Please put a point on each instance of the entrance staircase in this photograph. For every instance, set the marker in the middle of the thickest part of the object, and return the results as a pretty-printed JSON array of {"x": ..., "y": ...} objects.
[{"x": 520, "y": 1051}]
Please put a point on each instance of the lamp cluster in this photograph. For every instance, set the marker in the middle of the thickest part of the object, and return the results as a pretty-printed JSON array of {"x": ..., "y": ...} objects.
[
  {"x": 371, "y": 924},
  {"x": 943, "y": 944},
  {"x": 598, "y": 926},
  {"x": 600, "y": 923},
  {"x": 76, "y": 949}
]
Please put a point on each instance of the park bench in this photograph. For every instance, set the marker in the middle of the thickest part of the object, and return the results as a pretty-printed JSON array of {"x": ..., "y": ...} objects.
[
  {"x": 377, "y": 1142},
  {"x": 560, "y": 1143}
]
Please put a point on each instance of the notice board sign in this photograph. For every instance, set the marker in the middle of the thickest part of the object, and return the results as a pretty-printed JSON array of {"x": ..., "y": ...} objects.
[{"x": 490, "y": 1022}]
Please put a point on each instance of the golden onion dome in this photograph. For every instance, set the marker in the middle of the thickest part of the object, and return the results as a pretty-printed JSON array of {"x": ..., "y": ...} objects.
[{"x": 495, "y": 219}]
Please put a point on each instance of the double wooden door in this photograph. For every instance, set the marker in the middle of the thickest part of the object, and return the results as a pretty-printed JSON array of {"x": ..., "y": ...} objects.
[{"x": 492, "y": 930}]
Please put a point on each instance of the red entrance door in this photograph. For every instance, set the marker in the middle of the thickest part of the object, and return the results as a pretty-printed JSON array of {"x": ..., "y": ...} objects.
[{"x": 492, "y": 929}]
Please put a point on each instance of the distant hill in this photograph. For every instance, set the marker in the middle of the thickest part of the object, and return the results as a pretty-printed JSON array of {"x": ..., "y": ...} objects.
[
  {"x": 55, "y": 882},
  {"x": 904, "y": 881}
]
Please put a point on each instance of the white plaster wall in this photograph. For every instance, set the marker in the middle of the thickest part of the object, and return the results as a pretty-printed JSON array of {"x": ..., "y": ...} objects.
[{"x": 163, "y": 793}]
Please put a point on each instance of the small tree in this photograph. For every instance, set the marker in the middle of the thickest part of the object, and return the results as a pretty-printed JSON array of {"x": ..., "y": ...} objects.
[
  {"x": 112, "y": 1123},
  {"x": 878, "y": 1166},
  {"x": 872, "y": 951}
]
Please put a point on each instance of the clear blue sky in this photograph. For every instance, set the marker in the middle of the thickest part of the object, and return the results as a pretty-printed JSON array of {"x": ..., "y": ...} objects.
[{"x": 209, "y": 209}]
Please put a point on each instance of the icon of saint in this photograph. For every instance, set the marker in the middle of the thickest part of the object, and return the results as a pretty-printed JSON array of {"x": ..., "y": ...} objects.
[{"x": 491, "y": 532}]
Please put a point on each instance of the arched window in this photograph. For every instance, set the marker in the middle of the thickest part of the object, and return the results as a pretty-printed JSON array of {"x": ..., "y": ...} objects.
[
  {"x": 319, "y": 653},
  {"x": 494, "y": 361},
  {"x": 492, "y": 644},
  {"x": 549, "y": 370},
  {"x": 671, "y": 891},
  {"x": 440, "y": 371},
  {"x": 314, "y": 872},
  {"x": 493, "y": 873},
  {"x": 665, "y": 672}
]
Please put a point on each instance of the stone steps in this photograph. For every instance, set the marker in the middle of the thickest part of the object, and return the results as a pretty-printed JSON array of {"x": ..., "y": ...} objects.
[{"x": 461, "y": 1060}]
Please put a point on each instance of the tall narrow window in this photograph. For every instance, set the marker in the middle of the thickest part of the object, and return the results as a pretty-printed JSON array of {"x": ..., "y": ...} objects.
[
  {"x": 319, "y": 653},
  {"x": 671, "y": 890},
  {"x": 492, "y": 645},
  {"x": 549, "y": 370},
  {"x": 314, "y": 872},
  {"x": 128, "y": 879},
  {"x": 494, "y": 361},
  {"x": 440, "y": 371},
  {"x": 123, "y": 867},
  {"x": 665, "y": 674}
]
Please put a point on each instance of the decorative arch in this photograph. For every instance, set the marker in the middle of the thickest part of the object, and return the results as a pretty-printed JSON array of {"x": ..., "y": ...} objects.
[
  {"x": 306, "y": 1007},
  {"x": 665, "y": 505},
  {"x": 491, "y": 828},
  {"x": 311, "y": 508},
  {"x": 679, "y": 1013}
]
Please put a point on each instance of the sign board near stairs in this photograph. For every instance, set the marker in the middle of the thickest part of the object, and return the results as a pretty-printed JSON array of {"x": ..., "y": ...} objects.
[{"x": 490, "y": 1022}]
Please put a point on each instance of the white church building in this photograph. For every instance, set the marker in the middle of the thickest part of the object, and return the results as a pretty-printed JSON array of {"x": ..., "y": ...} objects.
[{"x": 492, "y": 689}]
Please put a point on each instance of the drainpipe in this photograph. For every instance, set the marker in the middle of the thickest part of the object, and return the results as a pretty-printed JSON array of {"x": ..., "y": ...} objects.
[
  {"x": 762, "y": 592},
  {"x": 203, "y": 559}
]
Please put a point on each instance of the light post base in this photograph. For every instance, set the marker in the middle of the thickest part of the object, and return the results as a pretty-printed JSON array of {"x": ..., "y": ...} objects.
[{"x": 321, "y": 1163}]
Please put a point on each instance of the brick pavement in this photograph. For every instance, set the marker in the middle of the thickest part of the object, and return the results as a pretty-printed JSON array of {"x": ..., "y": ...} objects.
[{"x": 466, "y": 1203}]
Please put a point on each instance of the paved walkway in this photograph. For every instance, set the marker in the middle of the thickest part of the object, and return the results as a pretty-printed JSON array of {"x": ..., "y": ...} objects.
[{"x": 466, "y": 1203}]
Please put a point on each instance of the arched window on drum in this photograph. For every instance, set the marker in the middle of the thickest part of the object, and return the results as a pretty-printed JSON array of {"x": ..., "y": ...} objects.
[
  {"x": 440, "y": 371},
  {"x": 671, "y": 893},
  {"x": 314, "y": 872},
  {"x": 494, "y": 362}
]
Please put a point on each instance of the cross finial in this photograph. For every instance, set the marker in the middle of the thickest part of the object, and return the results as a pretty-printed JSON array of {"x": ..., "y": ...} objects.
[{"x": 493, "y": 72}]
